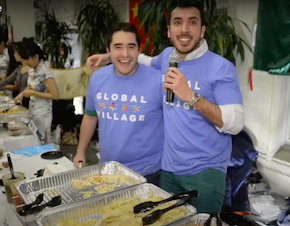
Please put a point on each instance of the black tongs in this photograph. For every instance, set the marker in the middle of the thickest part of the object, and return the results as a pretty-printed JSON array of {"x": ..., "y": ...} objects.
[
  {"x": 218, "y": 219},
  {"x": 35, "y": 207},
  {"x": 154, "y": 216},
  {"x": 147, "y": 206}
]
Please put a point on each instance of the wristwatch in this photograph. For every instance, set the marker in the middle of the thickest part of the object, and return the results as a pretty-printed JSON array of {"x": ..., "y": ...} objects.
[{"x": 195, "y": 97}]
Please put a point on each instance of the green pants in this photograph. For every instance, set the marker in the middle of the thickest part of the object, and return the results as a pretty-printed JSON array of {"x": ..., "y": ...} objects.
[{"x": 209, "y": 183}]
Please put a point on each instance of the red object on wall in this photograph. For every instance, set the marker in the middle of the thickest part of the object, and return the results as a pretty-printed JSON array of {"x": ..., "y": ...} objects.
[
  {"x": 250, "y": 79},
  {"x": 133, "y": 18}
]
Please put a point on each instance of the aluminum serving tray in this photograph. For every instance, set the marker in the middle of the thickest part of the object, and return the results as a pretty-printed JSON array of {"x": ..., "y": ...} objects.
[
  {"x": 197, "y": 220},
  {"x": 5, "y": 118},
  {"x": 60, "y": 184},
  {"x": 6, "y": 100},
  {"x": 87, "y": 209}
]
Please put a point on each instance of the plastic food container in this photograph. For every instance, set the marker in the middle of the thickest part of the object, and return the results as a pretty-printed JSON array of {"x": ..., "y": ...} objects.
[
  {"x": 14, "y": 128},
  {"x": 8, "y": 181}
]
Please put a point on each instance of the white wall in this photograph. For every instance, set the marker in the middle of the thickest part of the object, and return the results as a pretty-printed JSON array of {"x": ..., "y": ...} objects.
[
  {"x": 4, "y": 9},
  {"x": 266, "y": 105},
  {"x": 65, "y": 10},
  {"x": 22, "y": 18},
  {"x": 22, "y": 13},
  {"x": 122, "y": 8}
]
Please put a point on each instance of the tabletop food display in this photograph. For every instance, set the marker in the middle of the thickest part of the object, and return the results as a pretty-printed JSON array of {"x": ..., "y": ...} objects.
[
  {"x": 11, "y": 111},
  {"x": 106, "y": 194}
]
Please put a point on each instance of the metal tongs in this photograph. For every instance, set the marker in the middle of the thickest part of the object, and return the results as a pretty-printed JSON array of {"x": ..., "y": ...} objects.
[
  {"x": 218, "y": 219},
  {"x": 6, "y": 110},
  {"x": 154, "y": 216}
]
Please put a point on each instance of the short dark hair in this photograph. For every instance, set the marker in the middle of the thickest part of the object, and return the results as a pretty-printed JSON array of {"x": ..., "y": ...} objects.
[
  {"x": 185, "y": 4},
  {"x": 126, "y": 27},
  {"x": 31, "y": 49}
]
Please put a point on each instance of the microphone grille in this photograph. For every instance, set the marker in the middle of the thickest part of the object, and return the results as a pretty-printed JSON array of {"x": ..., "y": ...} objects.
[{"x": 173, "y": 58}]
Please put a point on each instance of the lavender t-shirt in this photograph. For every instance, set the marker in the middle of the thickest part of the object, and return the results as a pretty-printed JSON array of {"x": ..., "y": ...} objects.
[
  {"x": 192, "y": 143},
  {"x": 129, "y": 110}
]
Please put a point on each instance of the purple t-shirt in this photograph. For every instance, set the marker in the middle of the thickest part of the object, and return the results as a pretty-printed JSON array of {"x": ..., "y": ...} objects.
[
  {"x": 192, "y": 143},
  {"x": 129, "y": 109}
]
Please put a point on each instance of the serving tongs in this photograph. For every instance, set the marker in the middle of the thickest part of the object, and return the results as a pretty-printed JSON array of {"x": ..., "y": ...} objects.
[
  {"x": 154, "y": 216},
  {"x": 7, "y": 109},
  {"x": 147, "y": 206},
  {"x": 35, "y": 207},
  {"x": 37, "y": 201},
  {"x": 218, "y": 219}
]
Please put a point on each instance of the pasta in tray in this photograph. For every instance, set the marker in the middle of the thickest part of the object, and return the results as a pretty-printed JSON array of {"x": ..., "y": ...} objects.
[
  {"x": 105, "y": 188},
  {"x": 11, "y": 111},
  {"x": 105, "y": 182},
  {"x": 120, "y": 212}
]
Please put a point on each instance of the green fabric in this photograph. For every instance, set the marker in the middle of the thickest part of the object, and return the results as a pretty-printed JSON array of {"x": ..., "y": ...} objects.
[
  {"x": 272, "y": 48},
  {"x": 209, "y": 183},
  {"x": 91, "y": 113}
]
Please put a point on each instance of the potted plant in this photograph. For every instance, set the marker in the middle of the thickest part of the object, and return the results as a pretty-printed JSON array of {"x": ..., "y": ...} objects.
[
  {"x": 53, "y": 36},
  {"x": 221, "y": 34},
  {"x": 94, "y": 19}
]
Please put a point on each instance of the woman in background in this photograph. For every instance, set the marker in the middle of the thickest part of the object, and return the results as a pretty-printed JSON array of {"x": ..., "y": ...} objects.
[
  {"x": 41, "y": 88},
  {"x": 18, "y": 76},
  {"x": 4, "y": 56}
]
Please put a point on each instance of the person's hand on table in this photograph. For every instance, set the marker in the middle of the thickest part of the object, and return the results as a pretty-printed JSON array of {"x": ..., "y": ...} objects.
[
  {"x": 79, "y": 157},
  {"x": 19, "y": 98},
  {"x": 97, "y": 60}
]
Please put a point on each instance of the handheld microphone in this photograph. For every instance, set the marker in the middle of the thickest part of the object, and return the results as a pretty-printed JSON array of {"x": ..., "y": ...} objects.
[{"x": 173, "y": 61}]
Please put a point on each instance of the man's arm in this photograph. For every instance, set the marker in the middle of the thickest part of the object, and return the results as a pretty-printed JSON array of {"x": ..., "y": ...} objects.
[
  {"x": 88, "y": 127},
  {"x": 89, "y": 121},
  {"x": 226, "y": 118},
  {"x": 210, "y": 111},
  {"x": 227, "y": 114},
  {"x": 233, "y": 119},
  {"x": 98, "y": 60},
  {"x": 156, "y": 61},
  {"x": 144, "y": 59}
]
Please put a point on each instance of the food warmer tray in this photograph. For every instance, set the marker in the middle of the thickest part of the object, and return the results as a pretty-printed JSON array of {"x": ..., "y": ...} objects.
[
  {"x": 198, "y": 220},
  {"x": 60, "y": 184},
  {"x": 5, "y": 118},
  {"x": 88, "y": 209}
]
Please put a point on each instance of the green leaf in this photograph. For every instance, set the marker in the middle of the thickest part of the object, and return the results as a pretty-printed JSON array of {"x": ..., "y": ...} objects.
[
  {"x": 94, "y": 20},
  {"x": 243, "y": 24},
  {"x": 241, "y": 50},
  {"x": 219, "y": 42},
  {"x": 52, "y": 34}
]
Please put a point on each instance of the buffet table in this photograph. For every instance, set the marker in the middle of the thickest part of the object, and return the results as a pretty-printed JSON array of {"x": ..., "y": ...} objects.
[
  {"x": 29, "y": 166},
  {"x": 16, "y": 142}
]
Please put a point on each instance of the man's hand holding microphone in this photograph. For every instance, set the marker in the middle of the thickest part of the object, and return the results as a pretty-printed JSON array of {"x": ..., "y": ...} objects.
[{"x": 175, "y": 82}]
